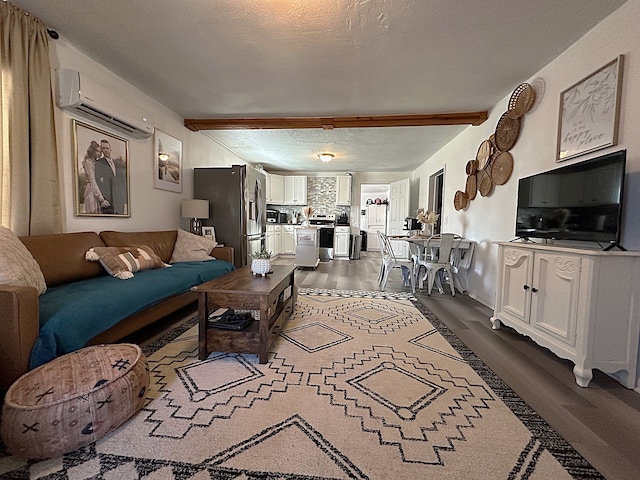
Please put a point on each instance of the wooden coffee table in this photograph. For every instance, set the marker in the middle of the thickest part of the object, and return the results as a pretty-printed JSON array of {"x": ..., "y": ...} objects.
[{"x": 274, "y": 296}]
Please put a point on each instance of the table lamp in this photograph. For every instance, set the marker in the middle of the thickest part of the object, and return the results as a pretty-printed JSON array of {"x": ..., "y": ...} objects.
[{"x": 195, "y": 210}]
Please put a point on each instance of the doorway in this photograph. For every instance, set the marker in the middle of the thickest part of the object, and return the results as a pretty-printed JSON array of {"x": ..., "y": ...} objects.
[
  {"x": 374, "y": 199},
  {"x": 436, "y": 188}
]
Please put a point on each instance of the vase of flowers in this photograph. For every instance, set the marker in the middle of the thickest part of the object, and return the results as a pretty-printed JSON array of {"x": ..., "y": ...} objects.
[
  {"x": 261, "y": 262},
  {"x": 427, "y": 219},
  {"x": 307, "y": 212}
]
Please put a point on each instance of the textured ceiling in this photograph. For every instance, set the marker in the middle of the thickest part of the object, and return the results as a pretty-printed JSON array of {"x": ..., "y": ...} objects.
[{"x": 276, "y": 58}]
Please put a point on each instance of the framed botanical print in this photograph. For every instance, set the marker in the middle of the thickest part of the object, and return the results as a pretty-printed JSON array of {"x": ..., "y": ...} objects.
[
  {"x": 167, "y": 162},
  {"x": 589, "y": 112},
  {"x": 101, "y": 172}
]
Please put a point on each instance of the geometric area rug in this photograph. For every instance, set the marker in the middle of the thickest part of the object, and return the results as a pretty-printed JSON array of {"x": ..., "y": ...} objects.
[{"x": 359, "y": 385}]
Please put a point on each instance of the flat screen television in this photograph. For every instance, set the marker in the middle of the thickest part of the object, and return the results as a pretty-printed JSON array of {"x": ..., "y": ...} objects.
[{"x": 582, "y": 201}]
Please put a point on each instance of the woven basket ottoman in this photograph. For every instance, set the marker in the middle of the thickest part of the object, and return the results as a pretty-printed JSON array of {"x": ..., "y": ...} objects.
[{"x": 74, "y": 400}]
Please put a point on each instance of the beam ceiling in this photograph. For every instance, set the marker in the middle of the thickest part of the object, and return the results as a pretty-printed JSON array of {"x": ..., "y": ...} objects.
[{"x": 329, "y": 123}]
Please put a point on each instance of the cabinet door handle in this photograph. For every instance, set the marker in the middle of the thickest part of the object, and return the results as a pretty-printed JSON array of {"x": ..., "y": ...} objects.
[
  {"x": 526, "y": 287},
  {"x": 534, "y": 290}
]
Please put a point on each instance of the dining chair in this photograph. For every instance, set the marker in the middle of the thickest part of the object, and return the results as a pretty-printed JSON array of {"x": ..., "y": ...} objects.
[
  {"x": 441, "y": 262},
  {"x": 419, "y": 255},
  {"x": 390, "y": 261},
  {"x": 461, "y": 263}
]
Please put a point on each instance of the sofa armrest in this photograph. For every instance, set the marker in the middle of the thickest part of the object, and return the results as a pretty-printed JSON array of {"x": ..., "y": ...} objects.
[
  {"x": 20, "y": 325},
  {"x": 223, "y": 253}
]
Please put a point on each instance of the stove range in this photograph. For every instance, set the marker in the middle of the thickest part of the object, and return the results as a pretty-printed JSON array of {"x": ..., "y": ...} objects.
[
  {"x": 326, "y": 224},
  {"x": 322, "y": 220}
]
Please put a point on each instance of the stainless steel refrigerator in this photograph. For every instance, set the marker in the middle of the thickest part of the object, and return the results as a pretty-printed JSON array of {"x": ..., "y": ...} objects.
[{"x": 237, "y": 200}]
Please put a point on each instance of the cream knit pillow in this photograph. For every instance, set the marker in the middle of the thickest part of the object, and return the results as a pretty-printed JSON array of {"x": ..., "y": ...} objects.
[
  {"x": 192, "y": 248},
  {"x": 17, "y": 265}
]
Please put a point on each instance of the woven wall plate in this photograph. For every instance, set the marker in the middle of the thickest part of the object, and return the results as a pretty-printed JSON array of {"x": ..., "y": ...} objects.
[
  {"x": 521, "y": 100},
  {"x": 460, "y": 200},
  {"x": 501, "y": 168},
  {"x": 485, "y": 150},
  {"x": 485, "y": 184},
  {"x": 472, "y": 166},
  {"x": 471, "y": 187},
  {"x": 507, "y": 131}
]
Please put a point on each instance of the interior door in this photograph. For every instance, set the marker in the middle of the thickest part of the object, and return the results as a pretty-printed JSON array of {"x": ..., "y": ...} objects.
[
  {"x": 399, "y": 210},
  {"x": 436, "y": 188}
]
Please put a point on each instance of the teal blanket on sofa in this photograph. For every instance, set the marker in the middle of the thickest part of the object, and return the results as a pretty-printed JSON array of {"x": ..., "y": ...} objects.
[{"x": 74, "y": 313}]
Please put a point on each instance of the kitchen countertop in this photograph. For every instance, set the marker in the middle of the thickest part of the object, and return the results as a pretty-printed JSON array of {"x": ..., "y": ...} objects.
[{"x": 299, "y": 224}]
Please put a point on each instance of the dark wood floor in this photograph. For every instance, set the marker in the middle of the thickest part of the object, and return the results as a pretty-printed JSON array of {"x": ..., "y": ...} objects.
[{"x": 602, "y": 421}]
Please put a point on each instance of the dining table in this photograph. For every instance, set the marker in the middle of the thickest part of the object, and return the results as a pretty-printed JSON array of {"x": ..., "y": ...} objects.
[{"x": 461, "y": 255}]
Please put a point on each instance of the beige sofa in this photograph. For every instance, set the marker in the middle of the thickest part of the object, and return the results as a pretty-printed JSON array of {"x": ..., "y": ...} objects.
[{"x": 61, "y": 258}]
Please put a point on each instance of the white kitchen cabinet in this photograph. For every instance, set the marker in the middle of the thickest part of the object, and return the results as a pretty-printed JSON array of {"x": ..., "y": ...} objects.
[
  {"x": 343, "y": 190},
  {"x": 295, "y": 190},
  {"x": 267, "y": 187},
  {"x": 275, "y": 189},
  {"x": 376, "y": 220},
  {"x": 274, "y": 239},
  {"x": 373, "y": 242},
  {"x": 376, "y": 215},
  {"x": 288, "y": 240},
  {"x": 580, "y": 304},
  {"x": 341, "y": 241}
]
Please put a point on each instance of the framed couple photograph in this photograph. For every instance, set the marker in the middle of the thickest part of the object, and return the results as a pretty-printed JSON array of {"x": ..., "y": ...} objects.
[
  {"x": 101, "y": 172},
  {"x": 590, "y": 111},
  {"x": 167, "y": 160},
  {"x": 209, "y": 232}
]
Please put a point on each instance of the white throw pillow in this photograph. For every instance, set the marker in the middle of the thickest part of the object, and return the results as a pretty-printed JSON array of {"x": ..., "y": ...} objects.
[
  {"x": 17, "y": 265},
  {"x": 192, "y": 248}
]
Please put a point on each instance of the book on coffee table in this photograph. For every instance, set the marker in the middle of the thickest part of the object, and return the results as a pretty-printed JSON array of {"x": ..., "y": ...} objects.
[{"x": 228, "y": 319}]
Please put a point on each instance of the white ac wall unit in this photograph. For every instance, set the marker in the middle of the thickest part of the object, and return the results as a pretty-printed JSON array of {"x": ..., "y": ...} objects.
[{"x": 81, "y": 95}]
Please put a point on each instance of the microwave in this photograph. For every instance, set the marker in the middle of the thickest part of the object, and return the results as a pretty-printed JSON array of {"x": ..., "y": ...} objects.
[{"x": 272, "y": 215}]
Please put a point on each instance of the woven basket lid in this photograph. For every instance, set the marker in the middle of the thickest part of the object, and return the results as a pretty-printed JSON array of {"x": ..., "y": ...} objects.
[
  {"x": 507, "y": 131},
  {"x": 501, "y": 168},
  {"x": 471, "y": 187},
  {"x": 460, "y": 200},
  {"x": 472, "y": 166},
  {"x": 485, "y": 150},
  {"x": 521, "y": 100},
  {"x": 485, "y": 184}
]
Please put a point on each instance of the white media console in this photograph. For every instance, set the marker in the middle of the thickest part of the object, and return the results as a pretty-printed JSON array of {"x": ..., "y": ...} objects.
[{"x": 583, "y": 305}]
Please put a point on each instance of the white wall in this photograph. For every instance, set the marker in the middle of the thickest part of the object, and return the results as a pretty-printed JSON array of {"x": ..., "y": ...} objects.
[
  {"x": 151, "y": 208},
  {"x": 490, "y": 219}
]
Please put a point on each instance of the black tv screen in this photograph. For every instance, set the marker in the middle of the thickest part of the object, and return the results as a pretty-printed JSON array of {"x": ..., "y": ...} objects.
[{"x": 582, "y": 201}]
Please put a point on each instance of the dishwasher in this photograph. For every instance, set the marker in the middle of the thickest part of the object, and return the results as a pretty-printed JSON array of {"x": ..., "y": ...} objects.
[{"x": 307, "y": 247}]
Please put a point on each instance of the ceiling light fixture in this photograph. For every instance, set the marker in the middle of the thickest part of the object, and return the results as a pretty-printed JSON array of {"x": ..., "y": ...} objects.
[{"x": 325, "y": 157}]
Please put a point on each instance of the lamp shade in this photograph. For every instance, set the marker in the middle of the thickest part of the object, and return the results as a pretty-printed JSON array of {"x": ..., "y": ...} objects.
[{"x": 194, "y": 208}]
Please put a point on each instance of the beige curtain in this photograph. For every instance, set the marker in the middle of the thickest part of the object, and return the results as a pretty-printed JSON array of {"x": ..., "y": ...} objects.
[{"x": 29, "y": 188}]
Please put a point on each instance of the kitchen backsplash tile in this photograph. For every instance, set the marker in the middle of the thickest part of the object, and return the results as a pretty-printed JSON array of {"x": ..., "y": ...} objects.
[{"x": 321, "y": 195}]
